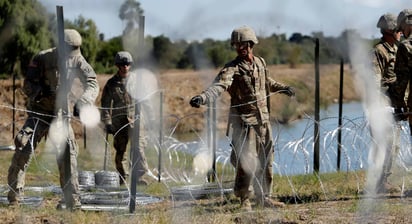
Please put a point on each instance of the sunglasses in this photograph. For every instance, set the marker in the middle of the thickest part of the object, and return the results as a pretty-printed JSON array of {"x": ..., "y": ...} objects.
[
  {"x": 123, "y": 64},
  {"x": 243, "y": 44}
]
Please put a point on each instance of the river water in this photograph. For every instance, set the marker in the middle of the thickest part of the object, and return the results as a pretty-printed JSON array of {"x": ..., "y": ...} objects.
[{"x": 294, "y": 143}]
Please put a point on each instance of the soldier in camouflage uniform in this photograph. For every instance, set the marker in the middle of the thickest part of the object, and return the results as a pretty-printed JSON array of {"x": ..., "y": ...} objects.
[
  {"x": 118, "y": 112},
  {"x": 403, "y": 64},
  {"x": 247, "y": 81},
  {"x": 385, "y": 54},
  {"x": 384, "y": 66},
  {"x": 41, "y": 86}
]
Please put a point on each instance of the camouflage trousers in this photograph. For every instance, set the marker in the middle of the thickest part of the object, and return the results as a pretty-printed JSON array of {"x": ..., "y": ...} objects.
[
  {"x": 392, "y": 150},
  {"x": 120, "y": 142},
  {"x": 252, "y": 156},
  {"x": 34, "y": 129}
]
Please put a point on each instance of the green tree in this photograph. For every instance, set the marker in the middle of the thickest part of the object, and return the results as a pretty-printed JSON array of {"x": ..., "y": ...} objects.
[
  {"x": 23, "y": 33},
  {"x": 294, "y": 55},
  {"x": 219, "y": 52},
  {"x": 267, "y": 49},
  {"x": 165, "y": 52},
  {"x": 105, "y": 55}
]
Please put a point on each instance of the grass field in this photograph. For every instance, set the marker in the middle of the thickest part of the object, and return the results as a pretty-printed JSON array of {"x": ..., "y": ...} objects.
[{"x": 311, "y": 198}]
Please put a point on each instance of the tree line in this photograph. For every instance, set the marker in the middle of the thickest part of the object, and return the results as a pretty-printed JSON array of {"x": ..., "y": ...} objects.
[{"x": 26, "y": 28}]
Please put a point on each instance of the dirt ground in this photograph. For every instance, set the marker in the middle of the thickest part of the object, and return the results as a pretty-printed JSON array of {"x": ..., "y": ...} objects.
[{"x": 379, "y": 210}]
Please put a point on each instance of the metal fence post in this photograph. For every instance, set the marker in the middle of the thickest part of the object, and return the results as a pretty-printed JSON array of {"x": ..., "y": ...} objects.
[{"x": 317, "y": 119}]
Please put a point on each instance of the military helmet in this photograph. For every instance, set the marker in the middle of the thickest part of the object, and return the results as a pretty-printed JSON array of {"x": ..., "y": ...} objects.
[
  {"x": 243, "y": 34},
  {"x": 387, "y": 22},
  {"x": 123, "y": 57},
  {"x": 405, "y": 16},
  {"x": 72, "y": 37}
]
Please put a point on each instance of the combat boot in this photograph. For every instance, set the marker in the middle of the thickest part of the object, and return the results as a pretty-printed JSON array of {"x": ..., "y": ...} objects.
[
  {"x": 77, "y": 204},
  {"x": 15, "y": 197},
  {"x": 267, "y": 202},
  {"x": 245, "y": 205}
]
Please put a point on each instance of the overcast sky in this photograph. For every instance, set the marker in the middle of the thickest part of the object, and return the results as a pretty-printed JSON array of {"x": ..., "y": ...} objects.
[{"x": 200, "y": 19}]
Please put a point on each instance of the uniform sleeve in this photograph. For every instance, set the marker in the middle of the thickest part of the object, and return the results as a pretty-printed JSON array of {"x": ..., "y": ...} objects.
[
  {"x": 89, "y": 81},
  {"x": 221, "y": 83},
  {"x": 275, "y": 86},
  {"x": 378, "y": 64},
  {"x": 106, "y": 104},
  {"x": 402, "y": 75},
  {"x": 32, "y": 86}
]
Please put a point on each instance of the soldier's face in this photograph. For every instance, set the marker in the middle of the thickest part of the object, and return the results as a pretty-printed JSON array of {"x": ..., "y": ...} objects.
[
  {"x": 242, "y": 48},
  {"x": 123, "y": 69},
  {"x": 397, "y": 35}
]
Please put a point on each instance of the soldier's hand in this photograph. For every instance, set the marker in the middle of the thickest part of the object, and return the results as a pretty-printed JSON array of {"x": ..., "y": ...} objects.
[
  {"x": 109, "y": 129},
  {"x": 196, "y": 101},
  {"x": 289, "y": 91}
]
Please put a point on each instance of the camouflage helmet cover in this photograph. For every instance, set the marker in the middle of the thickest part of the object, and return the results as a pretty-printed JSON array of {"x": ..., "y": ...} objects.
[
  {"x": 123, "y": 57},
  {"x": 243, "y": 34},
  {"x": 405, "y": 16},
  {"x": 387, "y": 22},
  {"x": 72, "y": 37}
]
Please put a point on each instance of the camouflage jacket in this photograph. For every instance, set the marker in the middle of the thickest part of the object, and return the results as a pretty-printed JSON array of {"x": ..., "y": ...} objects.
[
  {"x": 42, "y": 80},
  {"x": 403, "y": 70},
  {"x": 117, "y": 104},
  {"x": 248, "y": 87},
  {"x": 384, "y": 63}
]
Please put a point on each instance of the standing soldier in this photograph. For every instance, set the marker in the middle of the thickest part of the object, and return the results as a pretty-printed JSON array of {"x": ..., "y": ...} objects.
[
  {"x": 247, "y": 81},
  {"x": 403, "y": 65},
  {"x": 118, "y": 113},
  {"x": 384, "y": 66},
  {"x": 41, "y": 85}
]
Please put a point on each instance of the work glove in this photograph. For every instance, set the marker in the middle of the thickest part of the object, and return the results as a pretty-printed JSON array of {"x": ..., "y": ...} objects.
[
  {"x": 76, "y": 111},
  {"x": 401, "y": 113},
  {"x": 196, "y": 101},
  {"x": 289, "y": 91},
  {"x": 109, "y": 129}
]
